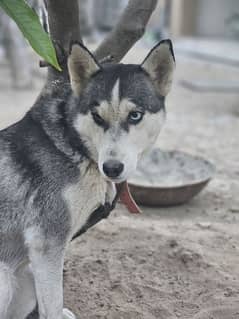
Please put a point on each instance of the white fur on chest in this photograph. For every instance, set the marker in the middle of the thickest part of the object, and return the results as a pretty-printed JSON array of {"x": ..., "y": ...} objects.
[{"x": 83, "y": 197}]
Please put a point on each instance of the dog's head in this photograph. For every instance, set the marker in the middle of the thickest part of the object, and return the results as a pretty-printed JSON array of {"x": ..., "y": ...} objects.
[{"x": 119, "y": 109}]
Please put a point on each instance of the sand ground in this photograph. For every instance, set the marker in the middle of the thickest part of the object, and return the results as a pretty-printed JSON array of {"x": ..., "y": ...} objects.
[{"x": 179, "y": 262}]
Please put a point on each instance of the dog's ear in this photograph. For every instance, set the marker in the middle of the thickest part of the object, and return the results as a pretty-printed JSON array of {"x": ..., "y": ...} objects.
[
  {"x": 160, "y": 64},
  {"x": 81, "y": 66}
]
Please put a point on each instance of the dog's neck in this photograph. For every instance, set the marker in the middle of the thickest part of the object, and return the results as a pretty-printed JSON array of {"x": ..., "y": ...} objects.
[{"x": 52, "y": 113}]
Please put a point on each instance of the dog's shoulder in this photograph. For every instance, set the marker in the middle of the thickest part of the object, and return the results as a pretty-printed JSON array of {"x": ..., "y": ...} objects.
[{"x": 32, "y": 172}]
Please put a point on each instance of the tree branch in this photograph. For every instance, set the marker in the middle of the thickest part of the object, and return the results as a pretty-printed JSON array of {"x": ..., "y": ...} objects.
[
  {"x": 128, "y": 30},
  {"x": 63, "y": 18}
]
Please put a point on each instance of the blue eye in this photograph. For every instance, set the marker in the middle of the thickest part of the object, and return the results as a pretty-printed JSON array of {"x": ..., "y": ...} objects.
[{"x": 135, "y": 117}]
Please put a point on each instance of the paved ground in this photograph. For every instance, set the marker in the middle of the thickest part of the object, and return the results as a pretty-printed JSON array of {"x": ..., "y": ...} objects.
[{"x": 179, "y": 262}]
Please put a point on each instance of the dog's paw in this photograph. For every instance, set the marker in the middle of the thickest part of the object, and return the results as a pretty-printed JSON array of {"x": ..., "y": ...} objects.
[{"x": 67, "y": 314}]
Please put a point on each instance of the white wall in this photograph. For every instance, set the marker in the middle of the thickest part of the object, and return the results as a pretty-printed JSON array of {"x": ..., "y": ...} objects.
[{"x": 211, "y": 16}]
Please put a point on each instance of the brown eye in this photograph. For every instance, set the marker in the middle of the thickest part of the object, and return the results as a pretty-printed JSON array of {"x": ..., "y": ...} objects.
[
  {"x": 97, "y": 118},
  {"x": 135, "y": 117}
]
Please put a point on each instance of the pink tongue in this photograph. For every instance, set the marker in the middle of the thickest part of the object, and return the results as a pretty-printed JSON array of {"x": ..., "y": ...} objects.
[{"x": 126, "y": 198}]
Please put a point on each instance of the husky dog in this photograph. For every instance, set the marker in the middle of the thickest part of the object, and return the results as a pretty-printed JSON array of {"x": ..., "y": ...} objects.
[{"x": 59, "y": 165}]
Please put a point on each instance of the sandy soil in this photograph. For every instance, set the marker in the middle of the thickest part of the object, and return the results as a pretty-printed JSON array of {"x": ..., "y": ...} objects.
[{"x": 179, "y": 262}]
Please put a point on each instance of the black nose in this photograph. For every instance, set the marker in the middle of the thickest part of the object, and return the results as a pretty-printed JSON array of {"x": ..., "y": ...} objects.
[{"x": 113, "y": 168}]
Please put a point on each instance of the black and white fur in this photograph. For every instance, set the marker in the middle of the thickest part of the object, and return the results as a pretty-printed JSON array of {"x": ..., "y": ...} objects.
[{"x": 60, "y": 162}]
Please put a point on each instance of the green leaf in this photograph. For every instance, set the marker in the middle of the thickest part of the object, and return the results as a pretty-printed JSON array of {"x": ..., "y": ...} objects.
[{"x": 30, "y": 26}]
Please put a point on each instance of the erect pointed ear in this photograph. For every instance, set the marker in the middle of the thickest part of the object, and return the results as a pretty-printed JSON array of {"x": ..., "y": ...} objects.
[
  {"x": 81, "y": 66},
  {"x": 160, "y": 64}
]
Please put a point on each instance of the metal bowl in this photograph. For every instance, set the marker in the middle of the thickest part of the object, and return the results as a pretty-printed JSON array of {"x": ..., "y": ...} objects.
[{"x": 168, "y": 178}]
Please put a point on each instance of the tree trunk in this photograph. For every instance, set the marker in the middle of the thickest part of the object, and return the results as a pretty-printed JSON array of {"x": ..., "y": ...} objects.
[{"x": 64, "y": 25}]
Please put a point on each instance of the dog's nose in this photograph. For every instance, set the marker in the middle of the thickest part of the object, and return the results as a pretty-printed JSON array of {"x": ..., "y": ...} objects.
[{"x": 113, "y": 168}]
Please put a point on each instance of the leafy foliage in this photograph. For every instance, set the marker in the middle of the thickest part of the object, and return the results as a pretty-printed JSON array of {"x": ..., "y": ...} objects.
[{"x": 30, "y": 26}]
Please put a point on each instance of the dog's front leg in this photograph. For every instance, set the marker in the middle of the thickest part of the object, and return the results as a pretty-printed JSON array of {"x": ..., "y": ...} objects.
[{"x": 47, "y": 267}]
